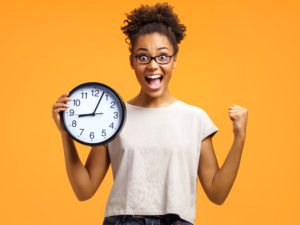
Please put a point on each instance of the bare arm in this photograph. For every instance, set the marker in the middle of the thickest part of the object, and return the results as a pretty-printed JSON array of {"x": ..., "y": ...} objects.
[
  {"x": 84, "y": 180},
  {"x": 217, "y": 182}
]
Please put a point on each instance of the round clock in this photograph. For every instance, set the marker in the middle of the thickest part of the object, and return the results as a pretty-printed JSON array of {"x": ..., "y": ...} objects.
[{"x": 95, "y": 115}]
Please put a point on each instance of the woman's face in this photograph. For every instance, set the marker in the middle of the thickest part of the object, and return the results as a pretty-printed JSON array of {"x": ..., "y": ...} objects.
[{"x": 153, "y": 77}]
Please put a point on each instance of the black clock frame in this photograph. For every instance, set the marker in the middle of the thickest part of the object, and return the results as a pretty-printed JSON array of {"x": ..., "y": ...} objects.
[{"x": 123, "y": 108}]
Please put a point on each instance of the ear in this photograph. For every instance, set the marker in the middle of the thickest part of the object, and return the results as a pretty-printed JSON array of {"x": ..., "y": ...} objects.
[
  {"x": 175, "y": 62},
  {"x": 131, "y": 60}
]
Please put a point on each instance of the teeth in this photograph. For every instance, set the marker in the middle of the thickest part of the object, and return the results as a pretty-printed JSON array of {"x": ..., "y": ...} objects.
[{"x": 154, "y": 76}]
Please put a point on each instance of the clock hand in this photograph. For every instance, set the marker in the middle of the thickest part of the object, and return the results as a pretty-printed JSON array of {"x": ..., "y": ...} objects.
[
  {"x": 89, "y": 114},
  {"x": 98, "y": 103}
]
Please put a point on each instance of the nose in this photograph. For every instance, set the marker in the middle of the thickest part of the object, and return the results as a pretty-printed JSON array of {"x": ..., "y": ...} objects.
[{"x": 153, "y": 65}]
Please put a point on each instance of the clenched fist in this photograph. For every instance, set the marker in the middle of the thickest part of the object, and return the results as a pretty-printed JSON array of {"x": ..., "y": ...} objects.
[{"x": 239, "y": 116}]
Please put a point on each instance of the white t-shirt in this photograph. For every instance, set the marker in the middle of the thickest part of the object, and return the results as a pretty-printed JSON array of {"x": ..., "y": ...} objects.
[{"x": 155, "y": 160}]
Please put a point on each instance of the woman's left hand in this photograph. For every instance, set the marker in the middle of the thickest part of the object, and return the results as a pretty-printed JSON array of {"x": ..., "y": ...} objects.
[{"x": 239, "y": 116}]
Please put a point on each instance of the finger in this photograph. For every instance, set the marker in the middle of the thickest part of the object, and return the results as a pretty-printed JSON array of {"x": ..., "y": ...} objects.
[
  {"x": 64, "y": 99},
  {"x": 64, "y": 95},
  {"x": 238, "y": 110},
  {"x": 234, "y": 107},
  {"x": 59, "y": 110},
  {"x": 234, "y": 112},
  {"x": 62, "y": 105}
]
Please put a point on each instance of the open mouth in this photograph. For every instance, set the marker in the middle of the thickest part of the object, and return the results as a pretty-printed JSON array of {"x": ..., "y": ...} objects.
[{"x": 154, "y": 81}]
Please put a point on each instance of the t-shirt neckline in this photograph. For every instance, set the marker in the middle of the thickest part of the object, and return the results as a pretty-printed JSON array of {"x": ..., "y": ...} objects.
[{"x": 153, "y": 108}]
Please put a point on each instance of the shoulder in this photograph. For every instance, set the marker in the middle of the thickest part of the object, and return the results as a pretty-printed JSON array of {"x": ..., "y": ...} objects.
[{"x": 196, "y": 110}]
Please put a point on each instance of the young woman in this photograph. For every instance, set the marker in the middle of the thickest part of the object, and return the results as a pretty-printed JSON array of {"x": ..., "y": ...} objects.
[{"x": 165, "y": 143}]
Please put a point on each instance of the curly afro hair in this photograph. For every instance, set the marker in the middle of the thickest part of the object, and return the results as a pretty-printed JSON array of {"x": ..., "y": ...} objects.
[{"x": 150, "y": 19}]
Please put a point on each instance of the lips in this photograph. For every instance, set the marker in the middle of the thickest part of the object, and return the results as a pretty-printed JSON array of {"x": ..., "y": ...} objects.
[{"x": 154, "y": 81}]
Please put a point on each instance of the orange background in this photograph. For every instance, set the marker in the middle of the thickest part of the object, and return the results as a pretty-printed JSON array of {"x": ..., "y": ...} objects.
[{"x": 235, "y": 52}]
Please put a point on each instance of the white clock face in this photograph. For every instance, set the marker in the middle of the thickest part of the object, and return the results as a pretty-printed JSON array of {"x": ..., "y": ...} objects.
[{"x": 95, "y": 115}]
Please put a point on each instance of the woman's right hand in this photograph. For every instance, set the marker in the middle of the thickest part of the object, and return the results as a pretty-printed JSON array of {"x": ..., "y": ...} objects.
[{"x": 57, "y": 108}]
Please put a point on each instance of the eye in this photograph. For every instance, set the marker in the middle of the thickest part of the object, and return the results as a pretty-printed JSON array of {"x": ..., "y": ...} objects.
[
  {"x": 142, "y": 58},
  {"x": 162, "y": 57}
]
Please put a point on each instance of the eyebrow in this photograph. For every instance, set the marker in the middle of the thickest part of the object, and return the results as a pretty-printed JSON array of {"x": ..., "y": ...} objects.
[{"x": 145, "y": 49}]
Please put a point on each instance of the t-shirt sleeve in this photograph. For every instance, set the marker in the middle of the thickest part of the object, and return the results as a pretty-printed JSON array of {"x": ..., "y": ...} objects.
[{"x": 208, "y": 127}]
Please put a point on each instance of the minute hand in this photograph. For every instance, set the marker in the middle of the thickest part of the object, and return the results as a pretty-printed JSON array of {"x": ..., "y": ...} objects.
[{"x": 94, "y": 113}]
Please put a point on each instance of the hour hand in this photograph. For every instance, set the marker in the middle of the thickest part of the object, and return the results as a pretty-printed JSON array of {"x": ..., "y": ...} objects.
[{"x": 89, "y": 114}]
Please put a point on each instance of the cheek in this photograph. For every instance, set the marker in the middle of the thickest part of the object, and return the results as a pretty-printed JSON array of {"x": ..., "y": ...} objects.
[
  {"x": 139, "y": 72},
  {"x": 139, "y": 75},
  {"x": 168, "y": 70}
]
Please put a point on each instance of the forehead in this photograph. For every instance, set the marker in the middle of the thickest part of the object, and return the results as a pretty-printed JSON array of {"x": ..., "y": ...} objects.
[{"x": 152, "y": 42}]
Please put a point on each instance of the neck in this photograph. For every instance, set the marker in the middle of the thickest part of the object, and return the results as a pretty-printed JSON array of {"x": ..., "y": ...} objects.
[{"x": 147, "y": 101}]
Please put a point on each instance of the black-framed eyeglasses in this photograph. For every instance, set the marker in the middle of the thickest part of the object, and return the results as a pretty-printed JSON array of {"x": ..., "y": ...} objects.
[{"x": 160, "y": 59}]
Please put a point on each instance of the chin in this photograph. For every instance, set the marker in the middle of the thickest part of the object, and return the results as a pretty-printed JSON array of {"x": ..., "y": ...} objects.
[{"x": 154, "y": 94}]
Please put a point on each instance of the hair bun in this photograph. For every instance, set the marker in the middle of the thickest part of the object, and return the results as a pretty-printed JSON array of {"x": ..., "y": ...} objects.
[{"x": 161, "y": 13}]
